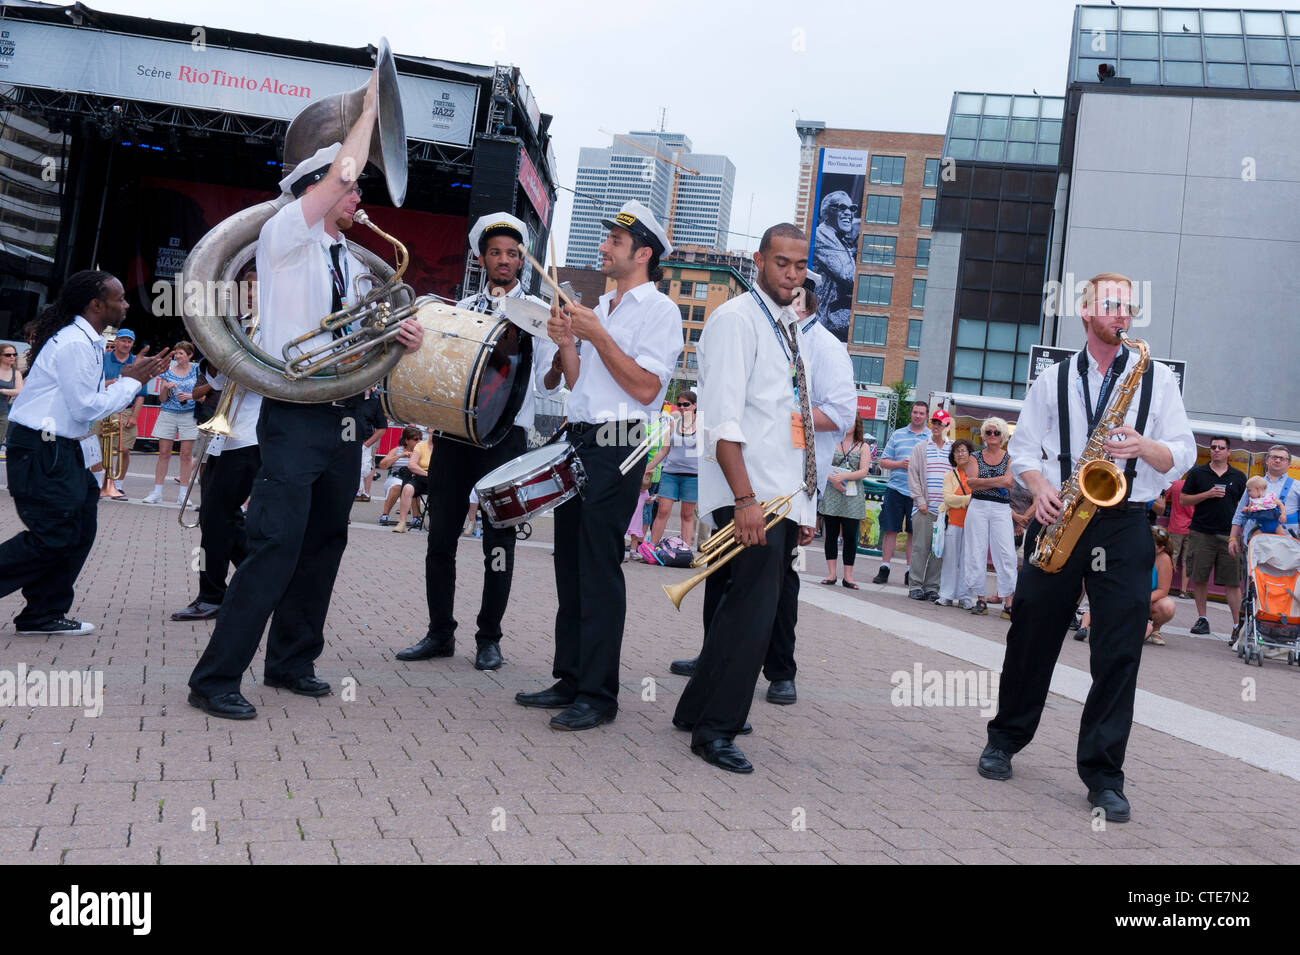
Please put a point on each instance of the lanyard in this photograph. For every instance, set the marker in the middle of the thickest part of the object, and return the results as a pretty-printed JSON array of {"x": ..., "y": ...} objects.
[
  {"x": 786, "y": 343},
  {"x": 341, "y": 282},
  {"x": 1107, "y": 383}
]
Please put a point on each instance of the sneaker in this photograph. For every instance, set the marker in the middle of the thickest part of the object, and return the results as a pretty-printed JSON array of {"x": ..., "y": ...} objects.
[
  {"x": 383, "y": 520},
  {"x": 60, "y": 626},
  {"x": 153, "y": 497},
  {"x": 882, "y": 575},
  {"x": 932, "y": 596},
  {"x": 1006, "y": 614},
  {"x": 916, "y": 593},
  {"x": 1201, "y": 626},
  {"x": 1156, "y": 639},
  {"x": 1081, "y": 634},
  {"x": 964, "y": 604},
  {"x": 980, "y": 608}
]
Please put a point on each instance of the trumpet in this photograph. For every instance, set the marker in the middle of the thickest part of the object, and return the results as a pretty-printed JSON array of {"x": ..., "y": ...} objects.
[
  {"x": 722, "y": 546},
  {"x": 112, "y": 435}
]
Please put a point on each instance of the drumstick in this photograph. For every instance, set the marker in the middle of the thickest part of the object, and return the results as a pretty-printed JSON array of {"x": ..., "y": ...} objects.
[
  {"x": 541, "y": 269},
  {"x": 555, "y": 274}
]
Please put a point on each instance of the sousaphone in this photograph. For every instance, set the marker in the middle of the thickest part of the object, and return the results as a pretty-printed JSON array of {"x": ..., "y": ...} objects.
[{"x": 367, "y": 351}]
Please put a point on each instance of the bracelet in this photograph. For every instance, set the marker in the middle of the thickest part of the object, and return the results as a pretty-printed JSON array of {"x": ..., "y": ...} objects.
[
  {"x": 745, "y": 497},
  {"x": 750, "y": 503}
]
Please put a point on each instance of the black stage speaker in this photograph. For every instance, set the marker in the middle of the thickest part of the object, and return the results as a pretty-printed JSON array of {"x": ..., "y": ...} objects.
[{"x": 496, "y": 176}]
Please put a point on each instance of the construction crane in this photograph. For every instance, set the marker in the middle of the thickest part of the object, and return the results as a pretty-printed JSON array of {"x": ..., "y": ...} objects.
[{"x": 674, "y": 161}]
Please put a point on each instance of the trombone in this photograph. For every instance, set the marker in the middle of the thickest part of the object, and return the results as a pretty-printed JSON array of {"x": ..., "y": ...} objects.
[
  {"x": 722, "y": 546},
  {"x": 219, "y": 425}
]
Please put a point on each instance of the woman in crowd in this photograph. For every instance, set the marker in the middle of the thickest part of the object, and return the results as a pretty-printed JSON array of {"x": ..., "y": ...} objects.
[
  {"x": 415, "y": 482},
  {"x": 11, "y": 382},
  {"x": 1162, "y": 577},
  {"x": 678, "y": 481},
  {"x": 989, "y": 528},
  {"x": 843, "y": 506},
  {"x": 956, "y": 499},
  {"x": 397, "y": 460},
  {"x": 175, "y": 420}
]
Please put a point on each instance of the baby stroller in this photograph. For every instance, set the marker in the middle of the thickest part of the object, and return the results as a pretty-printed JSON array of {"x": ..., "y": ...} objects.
[{"x": 1270, "y": 607}]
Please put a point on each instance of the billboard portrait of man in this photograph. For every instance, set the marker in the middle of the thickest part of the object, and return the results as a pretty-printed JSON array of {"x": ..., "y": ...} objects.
[{"x": 835, "y": 257}]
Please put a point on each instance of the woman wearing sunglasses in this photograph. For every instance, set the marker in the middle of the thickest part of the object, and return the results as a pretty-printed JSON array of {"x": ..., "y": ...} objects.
[
  {"x": 11, "y": 382},
  {"x": 679, "y": 479},
  {"x": 989, "y": 528}
]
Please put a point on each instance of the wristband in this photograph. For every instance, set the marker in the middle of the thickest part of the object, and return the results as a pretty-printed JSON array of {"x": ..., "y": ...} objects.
[
  {"x": 745, "y": 497},
  {"x": 750, "y": 503}
]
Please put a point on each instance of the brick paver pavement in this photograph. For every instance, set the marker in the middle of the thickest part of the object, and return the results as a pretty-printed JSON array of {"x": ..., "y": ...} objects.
[{"x": 433, "y": 762}]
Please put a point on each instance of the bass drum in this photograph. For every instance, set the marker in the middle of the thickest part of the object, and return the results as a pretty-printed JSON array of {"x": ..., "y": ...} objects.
[{"x": 467, "y": 381}]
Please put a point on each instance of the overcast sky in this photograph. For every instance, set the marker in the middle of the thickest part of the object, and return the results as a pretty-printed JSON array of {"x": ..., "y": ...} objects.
[{"x": 731, "y": 75}]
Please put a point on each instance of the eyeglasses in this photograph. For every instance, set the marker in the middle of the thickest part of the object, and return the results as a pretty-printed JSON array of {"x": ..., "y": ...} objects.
[
  {"x": 993, "y": 431},
  {"x": 1218, "y": 447},
  {"x": 356, "y": 187},
  {"x": 9, "y": 354},
  {"x": 839, "y": 208},
  {"x": 686, "y": 404},
  {"x": 1112, "y": 306},
  {"x": 1271, "y": 457}
]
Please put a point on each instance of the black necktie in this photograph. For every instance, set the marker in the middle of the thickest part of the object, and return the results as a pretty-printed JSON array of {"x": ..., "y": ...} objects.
[{"x": 336, "y": 286}]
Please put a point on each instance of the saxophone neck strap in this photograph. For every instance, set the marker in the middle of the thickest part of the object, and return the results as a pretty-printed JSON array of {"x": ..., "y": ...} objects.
[{"x": 1063, "y": 413}]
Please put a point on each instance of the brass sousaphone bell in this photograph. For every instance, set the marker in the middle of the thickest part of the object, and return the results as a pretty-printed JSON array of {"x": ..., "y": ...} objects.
[{"x": 221, "y": 257}]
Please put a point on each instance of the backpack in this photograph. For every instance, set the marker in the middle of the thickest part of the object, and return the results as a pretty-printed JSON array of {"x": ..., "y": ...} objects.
[{"x": 673, "y": 552}]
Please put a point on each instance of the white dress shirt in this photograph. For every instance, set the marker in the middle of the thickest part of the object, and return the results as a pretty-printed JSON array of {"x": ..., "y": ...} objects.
[
  {"x": 543, "y": 351},
  {"x": 1038, "y": 431},
  {"x": 835, "y": 394},
  {"x": 243, "y": 423},
  {"x": 647, "y": 327},
  {"x": 295, "y": 279},
  {"x": 746, "y": 396},
  {"x": 64, "y": 393}
]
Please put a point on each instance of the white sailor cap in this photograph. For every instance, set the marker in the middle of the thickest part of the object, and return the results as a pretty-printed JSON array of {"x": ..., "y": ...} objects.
[
  {"x": 495, "y": 223},
  {"x": 636, "y": 218},
  {"x": 311, "y": 170},
  {"x": 812, "y": 281}
]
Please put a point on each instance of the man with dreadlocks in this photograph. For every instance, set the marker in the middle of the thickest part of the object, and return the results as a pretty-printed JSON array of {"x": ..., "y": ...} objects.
[{"x": 55, "y": 495}]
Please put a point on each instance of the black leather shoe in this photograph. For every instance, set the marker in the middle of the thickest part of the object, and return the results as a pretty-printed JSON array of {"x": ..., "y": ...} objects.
[
  {"x": 781, "y": 692},
  {"x": 302, "y": 685},
  {"x": 932, "y": 596},
  {"x": 554, "y": 698},
  {"x": 427, "y": 649},
  {"x": 723, "y": 754},
  {"x": 1111, "y": 802},
  {"x": 687, "y": 727},
  {"x": 226, "y": 706},
  {"x": 882, "y": 575},
  {"x": 995, "y": 763},
  {"x": 916, "y": 593},
  {"x": 488, "y": 656},
  {"x": 684, "y": 667},
  {"x": 198, "y": 610},
  {"x": 580, "y": 716}
]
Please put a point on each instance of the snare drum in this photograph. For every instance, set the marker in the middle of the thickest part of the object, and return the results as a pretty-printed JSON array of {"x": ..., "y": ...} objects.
[
  {"x": 468, "y": 379},
  {"x": 531, "y": 484}
]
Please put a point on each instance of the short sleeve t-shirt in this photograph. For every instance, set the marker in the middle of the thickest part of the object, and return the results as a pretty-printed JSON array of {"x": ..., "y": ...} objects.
[
  {"x": 1214, "y": 515},
  {"x": 899, "y": 448},
  {"x": 113, "y": 370},
  {"x": 187, "y": 383}
]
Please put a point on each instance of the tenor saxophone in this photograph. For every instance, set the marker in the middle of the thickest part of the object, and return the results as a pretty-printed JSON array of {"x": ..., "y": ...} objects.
[{"x": 1095, "y": 481}]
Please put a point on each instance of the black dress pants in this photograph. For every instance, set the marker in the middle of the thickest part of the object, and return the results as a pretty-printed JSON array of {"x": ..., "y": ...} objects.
[
  {"x": 456, "y": 468},
  {"x": 297, "y": 531},
  {"x": 589, "y": 531},
  {"x": 740, "y": 606},
  {"x": 58, "y": 501},
  {"x": 225, "y": 484},
  {"x": 780, "y": 664},
  {"x": 1113, "y": 558}
]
